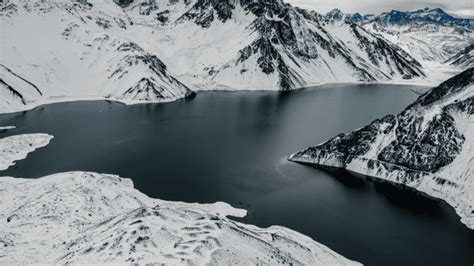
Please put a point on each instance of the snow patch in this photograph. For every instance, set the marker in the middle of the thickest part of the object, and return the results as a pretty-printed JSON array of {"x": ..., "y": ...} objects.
[{"x": 17, "y": 147}]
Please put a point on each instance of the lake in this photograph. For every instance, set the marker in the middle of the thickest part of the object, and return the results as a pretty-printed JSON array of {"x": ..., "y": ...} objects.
[{"x": 232, "y": 147}]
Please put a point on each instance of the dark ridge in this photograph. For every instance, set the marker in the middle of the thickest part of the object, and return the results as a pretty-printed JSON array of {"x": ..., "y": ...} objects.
[
  {"x": 204, "y": 11},
  {"x": 16, "y": 75},
  {"x": 462, "y": 56},
  {"x": 13, "y": 91},
  {"x": 452, "y": 85}
]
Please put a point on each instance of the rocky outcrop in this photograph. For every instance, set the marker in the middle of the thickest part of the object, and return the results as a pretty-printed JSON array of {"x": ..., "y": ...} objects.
[
  {"x": 203, "y": 12},
  {"x": 123, "y": 3}
]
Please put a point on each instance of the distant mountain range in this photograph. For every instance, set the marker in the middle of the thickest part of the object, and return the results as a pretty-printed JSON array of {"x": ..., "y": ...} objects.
[
  {"x": 430, "y": 35},
  {"x": 426, "y": 15},
  {"x": 154, "y": 51}
]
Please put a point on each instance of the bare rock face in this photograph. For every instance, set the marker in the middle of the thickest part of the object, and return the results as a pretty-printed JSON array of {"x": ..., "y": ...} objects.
[{"x": 203, "y": 12}]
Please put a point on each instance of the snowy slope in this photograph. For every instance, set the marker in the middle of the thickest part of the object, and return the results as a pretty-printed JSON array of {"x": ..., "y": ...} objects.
[
  {"x": 52, "y": 44},
  {"x": 80, "y": 217},
  {"x": 143, "y": 51},
  {"x": 429, "y": 146},
  {"x": 15, "y": 91},
  {"x": 17, "y": 147}
]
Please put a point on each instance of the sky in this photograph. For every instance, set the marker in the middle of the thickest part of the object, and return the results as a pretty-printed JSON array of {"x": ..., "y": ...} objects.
[{"x": 459, "y": 8}]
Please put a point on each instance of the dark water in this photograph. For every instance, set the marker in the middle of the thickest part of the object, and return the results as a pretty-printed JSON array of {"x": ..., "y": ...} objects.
[{"x": 232, "y": 147}]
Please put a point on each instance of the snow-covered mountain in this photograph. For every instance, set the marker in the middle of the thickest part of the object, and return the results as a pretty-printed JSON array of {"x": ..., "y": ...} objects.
[
  {"x": 430, "y": 35},
  {"x": 429, "y": 146},
  {"x": 426, "y": 15},
  {"x": 145, "y": 50}
]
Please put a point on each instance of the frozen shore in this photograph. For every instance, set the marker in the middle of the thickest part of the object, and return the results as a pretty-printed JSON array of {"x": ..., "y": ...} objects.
[
  {"x": 81, "y": 217},
  {"x": 17, "y": 147}
]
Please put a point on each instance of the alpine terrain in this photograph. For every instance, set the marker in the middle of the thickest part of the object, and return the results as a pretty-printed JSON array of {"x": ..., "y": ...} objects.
[
  {"x": 154, "y": 51},
  {"x": 430, "y": 35},
  {"x": 58, "y": 205}
]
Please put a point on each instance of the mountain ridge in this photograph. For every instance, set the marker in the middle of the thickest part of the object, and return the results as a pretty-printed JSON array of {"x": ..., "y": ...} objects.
[
  {"x": 430, "y": 34},
  {"x": 201, "y": 44}
]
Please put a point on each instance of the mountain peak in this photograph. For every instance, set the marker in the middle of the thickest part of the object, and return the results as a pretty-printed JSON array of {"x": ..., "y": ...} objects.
[
  {"x": 436, "y": 10},
  {"x": 335, "y": 14},
  {"x": 424, "y": 16}
]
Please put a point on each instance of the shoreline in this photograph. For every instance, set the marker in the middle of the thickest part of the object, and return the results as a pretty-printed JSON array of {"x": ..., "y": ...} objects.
[
  {"x": 66, "y": 99},
  {"x": 114, "y": 208}
]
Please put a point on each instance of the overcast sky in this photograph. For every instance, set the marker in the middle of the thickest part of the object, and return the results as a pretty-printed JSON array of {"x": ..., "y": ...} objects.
[{"x": 461, "y": 8}]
